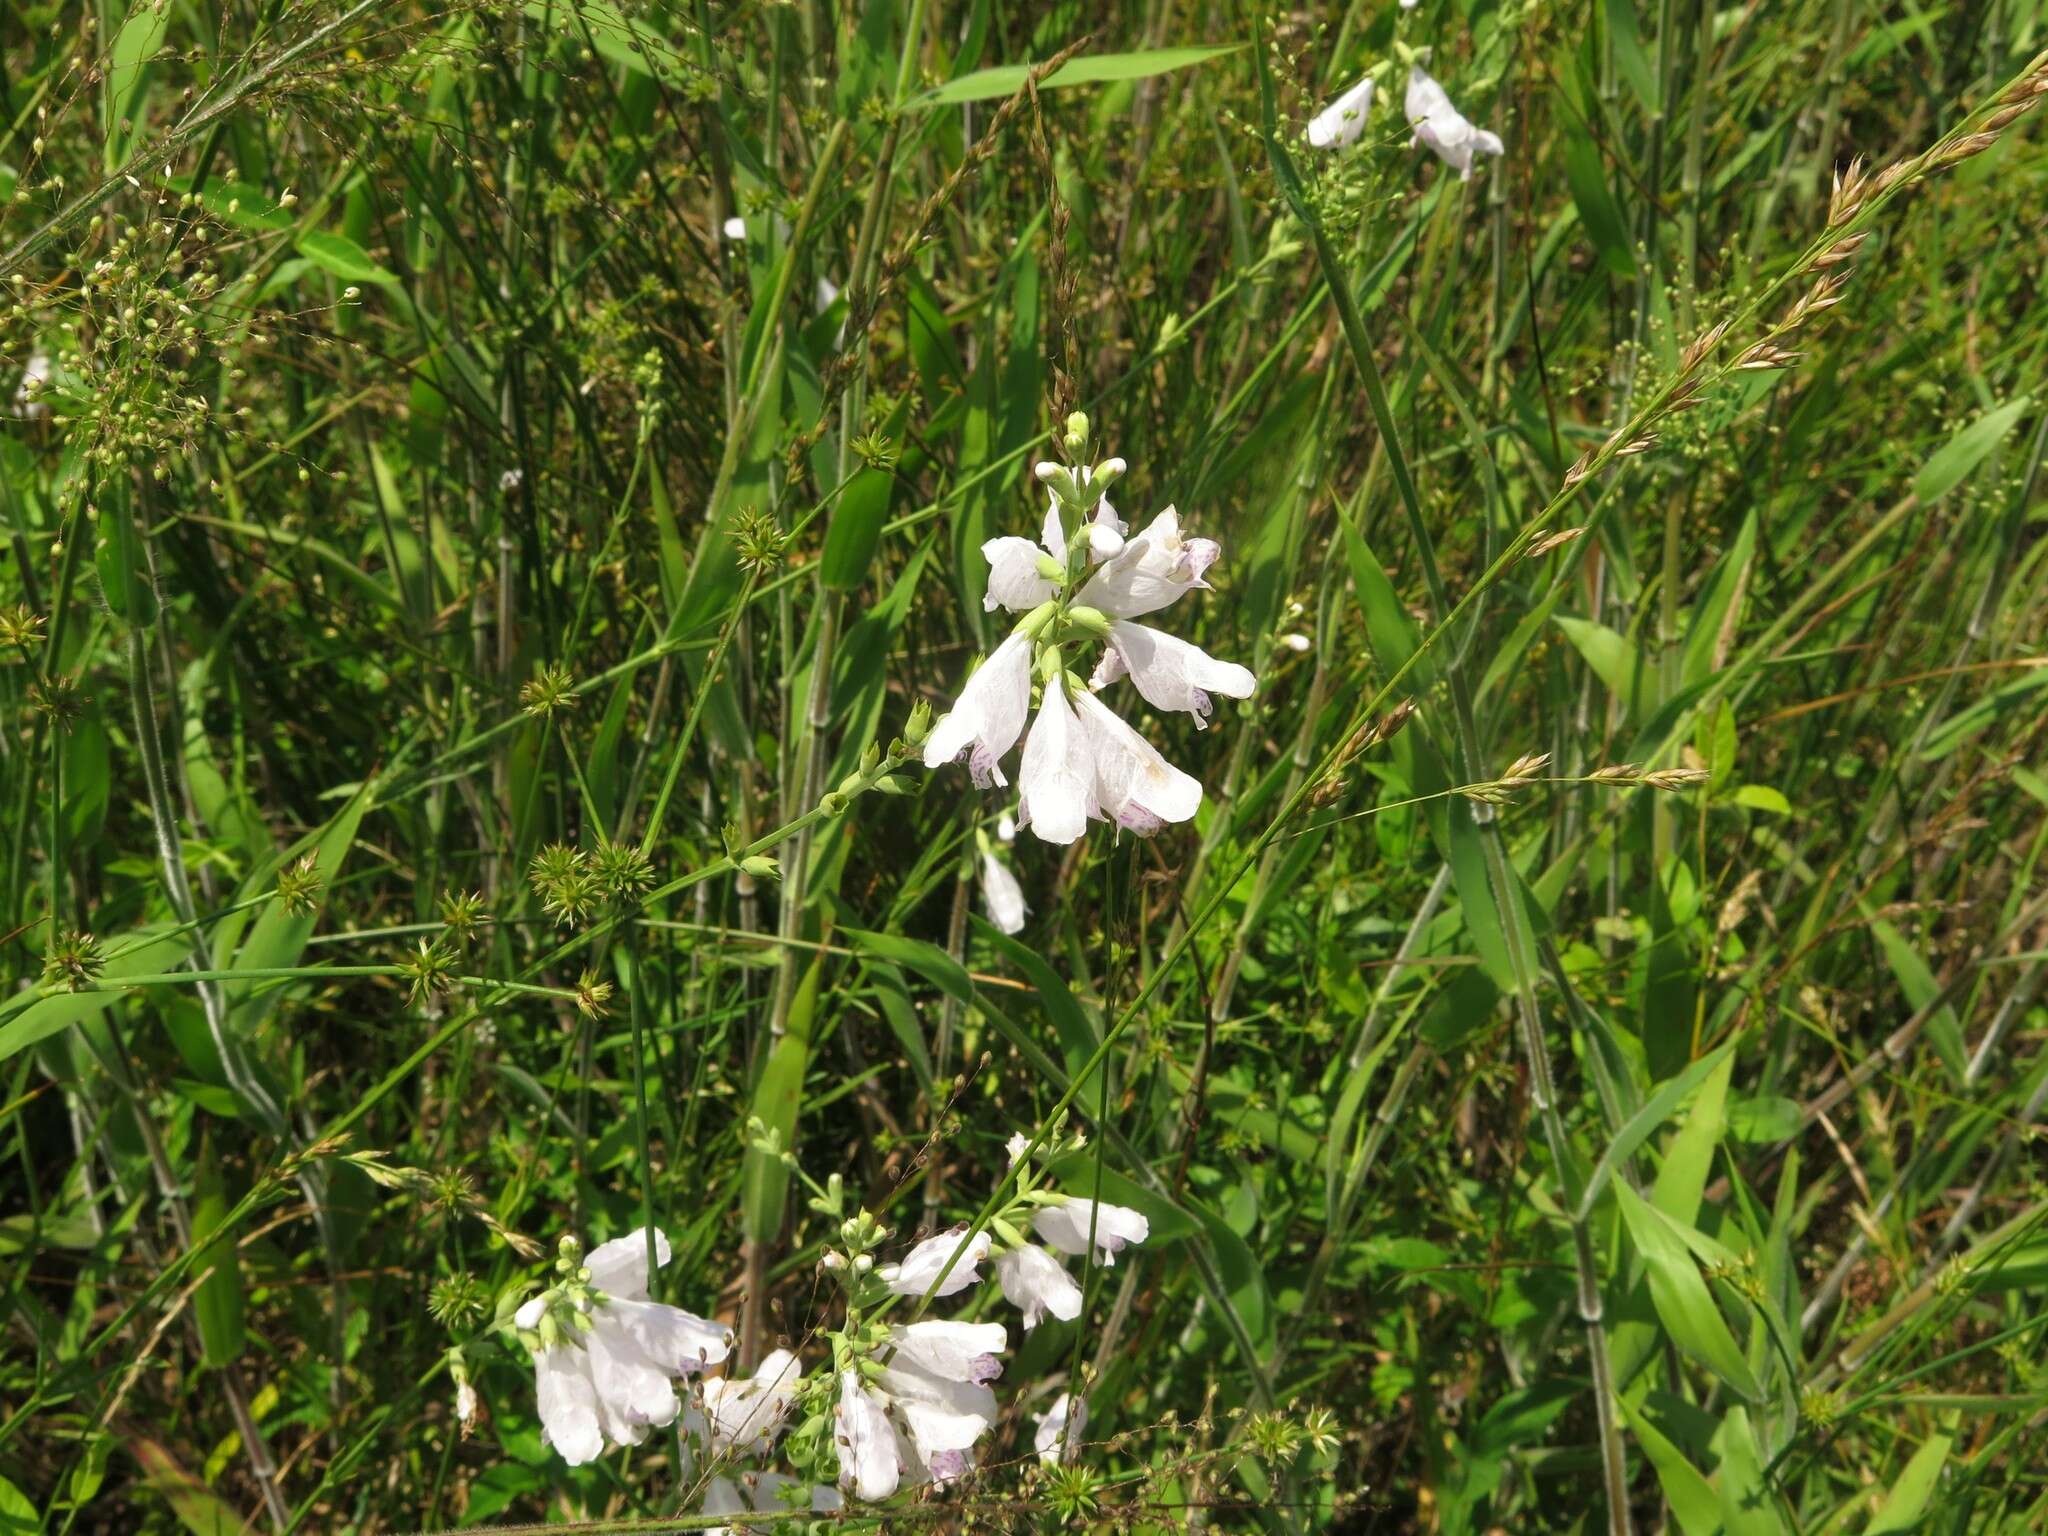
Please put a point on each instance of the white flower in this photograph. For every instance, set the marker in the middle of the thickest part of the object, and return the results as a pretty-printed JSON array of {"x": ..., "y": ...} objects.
[
  {"x": 1339, "y": 124},
  {"x": 747, "y": 1415},
  {"x": 1038, "y": 1285},
  {"x": 735, "y": 228},
  {"x": 1017, "y": 1146},
  {"x": 989, "y": 715},
  {"x": 1171, "y": 673},
  {"x": 1058, "y": 1436},
  {"x": 868, "y": 1462},
  {"x": 567, "y": 1401},
  {"x": 1067, "y": 1227},
  {"x": 611, "y": 1380},
  {"x": 1443, "y": 127},
  {"x": 1133, "y": 785},
  {"x": 942, "y": 1414},
  {"x": 511, "y": 480},
  {"x": 1003, "y": 895},
  {"x": 1301, "y": 645},
  {"x": 1055, "y": 787},
  {"x": 950, "y": 1351},
  {"x": 466, "y": 1406},
  {"x": 921, "y": 1266},
  {"x": 1153, "y": 569},
  {"x": 1016, "y": 578},
  {"x": 1006, "y": 827}
]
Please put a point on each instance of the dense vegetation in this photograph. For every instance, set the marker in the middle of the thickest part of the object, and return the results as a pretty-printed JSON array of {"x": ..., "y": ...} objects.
[{"x": 495, "y": 498}]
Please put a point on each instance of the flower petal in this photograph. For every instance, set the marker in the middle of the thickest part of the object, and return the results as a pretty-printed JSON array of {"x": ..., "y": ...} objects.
[
  {"x": 1154, "y": 568},
  {"x": 1001, "y": 893},
  {"x": 1067, "y": 1227},
  {"x": 989, "y": 715},
  {"x": 1055, "y": 786},
  {"x": 679, "y": 1342},
  {"x": 567, "y": 1403},
  {"x": 1172, "y": 674},
  {"x": 1339, "y": 125},
  {"x": 921, "y": 1266},
  {"x": 1038, "y": 1285},
  {"x": 1014, "y": 580},
  {"x": 868, "y": 1463},
  {"x": 955, "y": 1351},
  {"x": 1134, "y": 786},
  {"x": 619, "y": 1267}
]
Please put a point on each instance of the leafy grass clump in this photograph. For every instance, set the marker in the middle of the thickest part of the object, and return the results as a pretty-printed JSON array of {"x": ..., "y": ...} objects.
[{"x": 519, "y": 1019}]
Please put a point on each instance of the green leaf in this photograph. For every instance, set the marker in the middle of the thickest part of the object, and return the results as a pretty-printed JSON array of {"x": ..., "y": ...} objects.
[
  {"x": 1680, "y": 1294},
  {"x": 1387, "y": 623},
  {"x": 1078, "y": 1032},
  {"x": 1089, "y": 69},
  {"x": 1598, "y": 211},
  {"x": 1951, "y": 463},
  {"x": 141, "y": 35},
  {"x": 1917, "y": 982},
  {"x": 1908, "y": 1498},
  {"x": 219, "y": 1304},
  {"x": 764, "y": 1181},
  {"x": 1691, "y": 1496},
  {"x": 1613, "y": 660},
  {"x": 1630, "y": 58},
  {"x": 18, "y": 1517},
  {"x": 143, "y": 952},
  {"x": 1718, "y": 609},
  {"x": 341, "y": 257},
  {"x": 1761, "y": 797},
  {"x": 1637, "y": 1129},
  {"x": 1682, "y": 1179}
]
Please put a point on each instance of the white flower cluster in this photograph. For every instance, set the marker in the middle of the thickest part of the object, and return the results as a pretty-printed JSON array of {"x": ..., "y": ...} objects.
[
  {"x": 604, "y": 1356},
  {"x": 1433, "y": 120},
  {"x": 1087, "y": 577},
  {"x": 898, "y": 1404}
]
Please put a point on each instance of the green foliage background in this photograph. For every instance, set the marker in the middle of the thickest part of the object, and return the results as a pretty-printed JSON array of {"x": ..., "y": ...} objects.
[{"x": 419, "y": 478}]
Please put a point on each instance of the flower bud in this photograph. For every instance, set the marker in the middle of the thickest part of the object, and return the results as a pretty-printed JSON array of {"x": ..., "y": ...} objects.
[
  {"x": 1076, "y": 439},
  {"x": 761, "y": 867}
]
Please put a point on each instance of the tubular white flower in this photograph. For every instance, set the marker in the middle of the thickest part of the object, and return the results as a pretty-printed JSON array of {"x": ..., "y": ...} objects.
[
  {"x": 1015, "y": 581},
  {"x": 611, "y": 1380},
  {"x": 921, "y": 1266},
  {"x": 1067, "y": 1226},
  {"x": 1339, "y": 124},
  {"x": 868, "y": 1462},
  {"x": 1055, "y": 792},
  {"x": 1002, "y": 894},
  {"x": 567, "y": 1401},
  {"x": 1058, "y": 1436},
  {"x": 1168, "y": 671},
  {"x": 989, "y": 715},
  {"x": 1443, "y": 127},
  {"x": 942, "y": 1417},
  {"x": 1038, "y": 1285},
  {"x": 1133, "y": 785},
  {"x": 951, "y": 1351},
  {"x": 747, "y": 1415},
  {"x": 1154, "y": 569}
]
